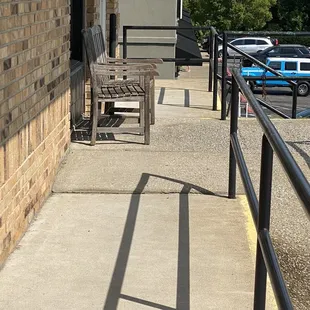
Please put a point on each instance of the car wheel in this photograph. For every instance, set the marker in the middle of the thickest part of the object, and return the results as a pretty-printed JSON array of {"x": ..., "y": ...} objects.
[
  {"x": 252, "y": 85},
  {"x": 220, "y": 54},
  {"x": 303, "y": 89}
]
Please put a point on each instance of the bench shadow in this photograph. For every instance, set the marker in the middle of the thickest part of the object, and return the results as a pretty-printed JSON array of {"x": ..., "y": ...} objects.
[
  {"x": 183, "y": 269},
  {"x": 82, "y": 133}
]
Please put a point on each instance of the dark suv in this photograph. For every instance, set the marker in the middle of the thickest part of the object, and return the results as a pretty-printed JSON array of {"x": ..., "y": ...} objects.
[{"x": 281, "y": 50}]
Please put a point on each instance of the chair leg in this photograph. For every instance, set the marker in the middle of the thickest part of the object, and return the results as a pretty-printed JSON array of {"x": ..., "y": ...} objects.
[
  {"x": 147, "y": 122},
  {"x": 153, "y": 101},
  {"x": 141, "y": 105},
  {"x": 141, "y": 114},
  {"x": 94, "y": 121}
]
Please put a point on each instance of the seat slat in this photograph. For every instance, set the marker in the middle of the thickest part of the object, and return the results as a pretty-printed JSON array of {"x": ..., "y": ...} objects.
[
  {"x": 138, "y": 89},
  {"x": 112, "y": 92},
  {"x": 105, "y": 92}
]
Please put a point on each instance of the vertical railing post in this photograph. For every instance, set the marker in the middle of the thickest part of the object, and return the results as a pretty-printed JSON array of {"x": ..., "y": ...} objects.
[
  {"x": 233, "y": 132},
  {"x": 263, "y": 222},
  {"x": 294, "y": 106},
  {"x": 211, "y": 61},
  {"x": 215, "y": 72},
  {"x": 125, "y": 46},
  {"x": 224, "y": 72},
  {"x": 112, "y": 53},
  {"x": 112, "y": 41},
  {"x": 124, "y": 42}
]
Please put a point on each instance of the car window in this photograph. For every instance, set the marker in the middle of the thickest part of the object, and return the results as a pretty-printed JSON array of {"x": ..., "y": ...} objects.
[
  {"x": 275, "y": 50},
  {"x": 261, "y": 42},
  {"x": 275, "y": 65},
  {"x": 304, "y": 50},
  {"x": 304, "y": 66},
  {"x": 238, "y": 42},
  {"x": 249, "y": 42},
  {"x": 287, "y": 50},
  {"x": 291, "y": 66}
]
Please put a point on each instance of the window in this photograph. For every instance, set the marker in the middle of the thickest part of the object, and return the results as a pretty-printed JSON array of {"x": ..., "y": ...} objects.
[
  {"x": 305, "y": 66},
  {"x": 237, "y": 42},
  {"x": 261, "y": 42},
  {"x": 276, "y": 65},
  {"x": 274, "y": 51},
  {"x": 288, "y": 50},
  {"x": 249, "y": 42},
  {"x": 304, "y": 50},
  {"x": 291, "y": 66}
]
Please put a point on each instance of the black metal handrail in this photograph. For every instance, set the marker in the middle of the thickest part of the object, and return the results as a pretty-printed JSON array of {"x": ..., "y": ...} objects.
[
  {"x": 266, "y": 259},
  {"x": 187, "y": 60},
  {"x": 271, "y": 108},
  {"x": 170, "y": 59}
]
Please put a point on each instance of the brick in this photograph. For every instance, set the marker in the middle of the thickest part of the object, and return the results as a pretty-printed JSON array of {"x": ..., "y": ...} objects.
[
  {"x": 2, "y": 165},
  {"x": 34, "y": 106}
]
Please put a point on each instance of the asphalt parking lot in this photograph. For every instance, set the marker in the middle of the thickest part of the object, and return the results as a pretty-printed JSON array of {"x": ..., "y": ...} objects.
[{"x": 279, "y": 97}]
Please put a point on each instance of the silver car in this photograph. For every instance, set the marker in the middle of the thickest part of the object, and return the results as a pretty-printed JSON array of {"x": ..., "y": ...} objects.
[{"x": 248, "y": 45}]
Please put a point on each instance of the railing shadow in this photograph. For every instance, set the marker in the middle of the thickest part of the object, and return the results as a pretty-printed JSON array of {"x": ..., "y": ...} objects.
[
  {"x": 299, "y": 150},
  {"x": 183, "y": 270},
  {"x": 187, "y": 100}
]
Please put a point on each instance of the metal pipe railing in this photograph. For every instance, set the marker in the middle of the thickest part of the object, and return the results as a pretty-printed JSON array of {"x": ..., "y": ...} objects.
[
  {"x": 187, "y": 60},
  {"x": 215, "y": 72},
  {"x": 271, "y": 108},
  {"x": 294, "y": 173},
  {"x": 266, "y": 259}
]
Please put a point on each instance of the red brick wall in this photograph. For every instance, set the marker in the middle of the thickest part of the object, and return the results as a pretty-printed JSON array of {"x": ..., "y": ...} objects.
[{"x": 34, "y": 90}]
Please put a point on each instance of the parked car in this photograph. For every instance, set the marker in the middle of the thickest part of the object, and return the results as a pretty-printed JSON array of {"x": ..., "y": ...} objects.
[
  {"x": 247, "y": 44},
  {"x": 304, "y": 114},
  {"x": 205, "y": 42},
  {"x": 292, "y": 67},
  {"x": 281, "y": 50}
]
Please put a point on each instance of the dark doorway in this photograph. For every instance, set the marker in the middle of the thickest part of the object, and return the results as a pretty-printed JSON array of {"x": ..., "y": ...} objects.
[
  {"x": 77, "y": 24},
  {"x": 77, "y": 75}
]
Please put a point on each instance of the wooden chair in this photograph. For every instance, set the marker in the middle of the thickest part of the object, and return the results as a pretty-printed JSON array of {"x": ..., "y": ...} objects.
[
  {"x": 106, "y": 88},
  {"x": 102, "y": 57}
]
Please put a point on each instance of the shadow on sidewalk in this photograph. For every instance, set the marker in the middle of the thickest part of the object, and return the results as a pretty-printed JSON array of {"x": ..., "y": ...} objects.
[
  {"x": 183, "y": 270},
  {"x": 299, "y": 150}
]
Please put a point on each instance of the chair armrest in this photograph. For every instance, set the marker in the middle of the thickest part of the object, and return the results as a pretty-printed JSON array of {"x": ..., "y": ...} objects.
[
  {"x": 133, "y": 60},
  {"x": 121, "y": 66},
  {"x": 108, "y": 70}
]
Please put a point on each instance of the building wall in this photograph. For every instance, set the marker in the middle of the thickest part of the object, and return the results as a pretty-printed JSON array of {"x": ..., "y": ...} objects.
[
  {"x": 34, "y": 109},
  {"x": 150, "y": 43}
]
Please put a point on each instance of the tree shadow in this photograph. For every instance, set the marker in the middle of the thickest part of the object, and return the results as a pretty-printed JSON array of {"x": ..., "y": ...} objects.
[{"x": 183, "y": 270}]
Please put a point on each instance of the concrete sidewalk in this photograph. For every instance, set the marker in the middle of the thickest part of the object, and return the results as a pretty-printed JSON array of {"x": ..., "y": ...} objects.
[
  {"x": 132, "y": 252},
  {"x": 131, "y": 226}
]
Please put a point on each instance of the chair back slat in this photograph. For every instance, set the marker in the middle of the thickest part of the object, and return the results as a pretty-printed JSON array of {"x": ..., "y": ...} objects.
[
  {"x": 95, "y": 52},
  {"x": 99, "y": 44}
]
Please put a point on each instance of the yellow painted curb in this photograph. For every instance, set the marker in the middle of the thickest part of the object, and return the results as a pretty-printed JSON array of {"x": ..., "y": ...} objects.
[{"x": 252, "y": 239}]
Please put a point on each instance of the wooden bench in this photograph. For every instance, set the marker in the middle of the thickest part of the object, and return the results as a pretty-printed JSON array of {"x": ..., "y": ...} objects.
[
  {"x": 106, "y": 87},
  {"x": 102, "y": 57}
]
